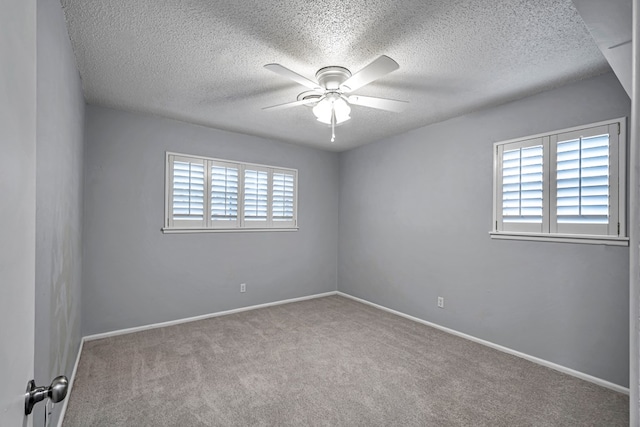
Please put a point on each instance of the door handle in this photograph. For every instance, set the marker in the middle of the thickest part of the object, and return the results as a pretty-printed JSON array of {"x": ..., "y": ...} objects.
[{"x": 57, "y": 391}]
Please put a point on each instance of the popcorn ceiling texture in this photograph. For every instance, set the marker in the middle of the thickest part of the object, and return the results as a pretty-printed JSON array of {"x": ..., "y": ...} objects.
[{"x": 201, "y": 61}]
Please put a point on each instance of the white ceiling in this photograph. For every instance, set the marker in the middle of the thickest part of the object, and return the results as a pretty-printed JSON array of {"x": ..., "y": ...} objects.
[{"x": 202, "y": 61}]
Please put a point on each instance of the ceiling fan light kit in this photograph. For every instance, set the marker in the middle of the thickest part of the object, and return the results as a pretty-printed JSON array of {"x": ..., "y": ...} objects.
[
  {"x": 332, "y": 107},
  {"x": 328, "y": 96}
]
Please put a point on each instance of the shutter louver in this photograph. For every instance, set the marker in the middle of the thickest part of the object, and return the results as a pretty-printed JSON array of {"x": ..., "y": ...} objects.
[
  {"x": 283, "y": 192},
  {"x": 583, "y": 180},
  {"x": 188, "y": 191},
  {"x": 255, "y": 195},
  {"x": 224, "y": 193},
  {"x": 522, "y": 185}
]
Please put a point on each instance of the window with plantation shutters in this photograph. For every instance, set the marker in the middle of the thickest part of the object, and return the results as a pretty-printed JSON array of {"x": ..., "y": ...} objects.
[
  {"x": 207, "y": 194},
  {"x": 562, "y": 186}
]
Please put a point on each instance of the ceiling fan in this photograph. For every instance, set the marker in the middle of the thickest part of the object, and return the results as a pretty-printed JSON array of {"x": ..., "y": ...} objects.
[{"x": 330, "y": 97}]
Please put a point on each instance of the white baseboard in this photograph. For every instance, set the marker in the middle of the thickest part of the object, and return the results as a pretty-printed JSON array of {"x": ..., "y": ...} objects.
[
  {"x": 201, "y": 317},
  {"x": 560, "y": 368},
  {"x": 71, "y": 380}
]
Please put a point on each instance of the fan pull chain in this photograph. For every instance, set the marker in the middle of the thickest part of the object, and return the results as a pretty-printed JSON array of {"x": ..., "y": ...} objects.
[{"x": 333, "y": 124}]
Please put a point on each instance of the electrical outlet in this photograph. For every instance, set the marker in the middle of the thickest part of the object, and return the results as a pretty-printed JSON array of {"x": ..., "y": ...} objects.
[
  {"x": 441, "y": 302},
  {"x": 243, "y": 287}
]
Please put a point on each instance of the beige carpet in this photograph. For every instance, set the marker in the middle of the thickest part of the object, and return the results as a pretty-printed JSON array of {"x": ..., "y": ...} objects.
[{"x": 329, "y": 361}]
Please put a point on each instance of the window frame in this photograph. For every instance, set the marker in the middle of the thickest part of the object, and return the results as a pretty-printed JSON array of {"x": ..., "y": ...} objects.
[
  {"x": 571, "y": 233},
  {"x": 208, "y": 225}
]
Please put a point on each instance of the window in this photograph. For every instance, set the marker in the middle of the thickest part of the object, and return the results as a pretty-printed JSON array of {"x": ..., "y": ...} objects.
[
  {"x": 563, "y": 186},
  {"x": 205, "y": 194}
]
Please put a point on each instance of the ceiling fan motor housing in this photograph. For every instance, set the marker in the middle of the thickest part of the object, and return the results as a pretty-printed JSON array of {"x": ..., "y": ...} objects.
[{"x": 331, "y": 78}]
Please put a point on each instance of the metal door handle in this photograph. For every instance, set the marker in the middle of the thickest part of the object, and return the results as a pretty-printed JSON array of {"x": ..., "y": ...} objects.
[{"x": 57, "y": 391}]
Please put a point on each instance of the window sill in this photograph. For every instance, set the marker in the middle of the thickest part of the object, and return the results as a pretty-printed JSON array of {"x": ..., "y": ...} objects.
[
  {"x": 562, "y": 238},
  {"x": 176, "y": 230}
]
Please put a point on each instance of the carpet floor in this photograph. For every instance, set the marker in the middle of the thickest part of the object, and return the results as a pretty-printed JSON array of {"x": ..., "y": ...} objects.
[{"x": 329, "y": 362}]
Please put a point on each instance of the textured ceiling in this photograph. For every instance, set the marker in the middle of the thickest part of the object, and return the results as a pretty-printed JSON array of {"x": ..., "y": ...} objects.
[{"x": 202, "y": 61}]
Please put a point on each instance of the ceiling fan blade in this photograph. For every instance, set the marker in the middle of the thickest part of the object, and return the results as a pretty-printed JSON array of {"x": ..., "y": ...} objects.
[
  {"x": 378, "y": 68},
  {"x": 285, "y": 72},
  {"x": 379, "y": 103},
  {"x": 291, "y": 104}
]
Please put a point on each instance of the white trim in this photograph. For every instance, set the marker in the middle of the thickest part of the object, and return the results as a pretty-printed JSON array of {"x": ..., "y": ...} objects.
[
  {"x": 562, "y": 238},
  {"x": 560, "y": 368},
  {"x": 623, "y": 146},
  {"x": 174, "y": 230},
  {"x": 202, "y": 317},
  {"x": 216, "y": 159},
  {"x": 571, "y": 129},
  {"x": 634, "y": 214},
  {"x": 63, "y": 411}
]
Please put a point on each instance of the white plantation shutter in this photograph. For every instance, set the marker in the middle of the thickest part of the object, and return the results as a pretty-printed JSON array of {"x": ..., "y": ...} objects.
[
  {"x": 521, "y": 186},
  {"x": 584, "y": 182},
  {"x": 256, "y": 196},
  {"x": 187, "y": 191},
  {"x": 283, "y": 197},
  {"x": 224, "y": 194}
]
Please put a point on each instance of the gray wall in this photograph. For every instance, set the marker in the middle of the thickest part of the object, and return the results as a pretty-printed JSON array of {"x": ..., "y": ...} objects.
[
  {"x": 133, "y": 274},
  {"x": 18, "y": 206},
  {"x": 415, "y": 212},
  {"x": 60, "y": 127}
]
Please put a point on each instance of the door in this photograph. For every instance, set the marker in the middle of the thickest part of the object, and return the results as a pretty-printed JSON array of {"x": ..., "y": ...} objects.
[{"x": 17, "y": 204}]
